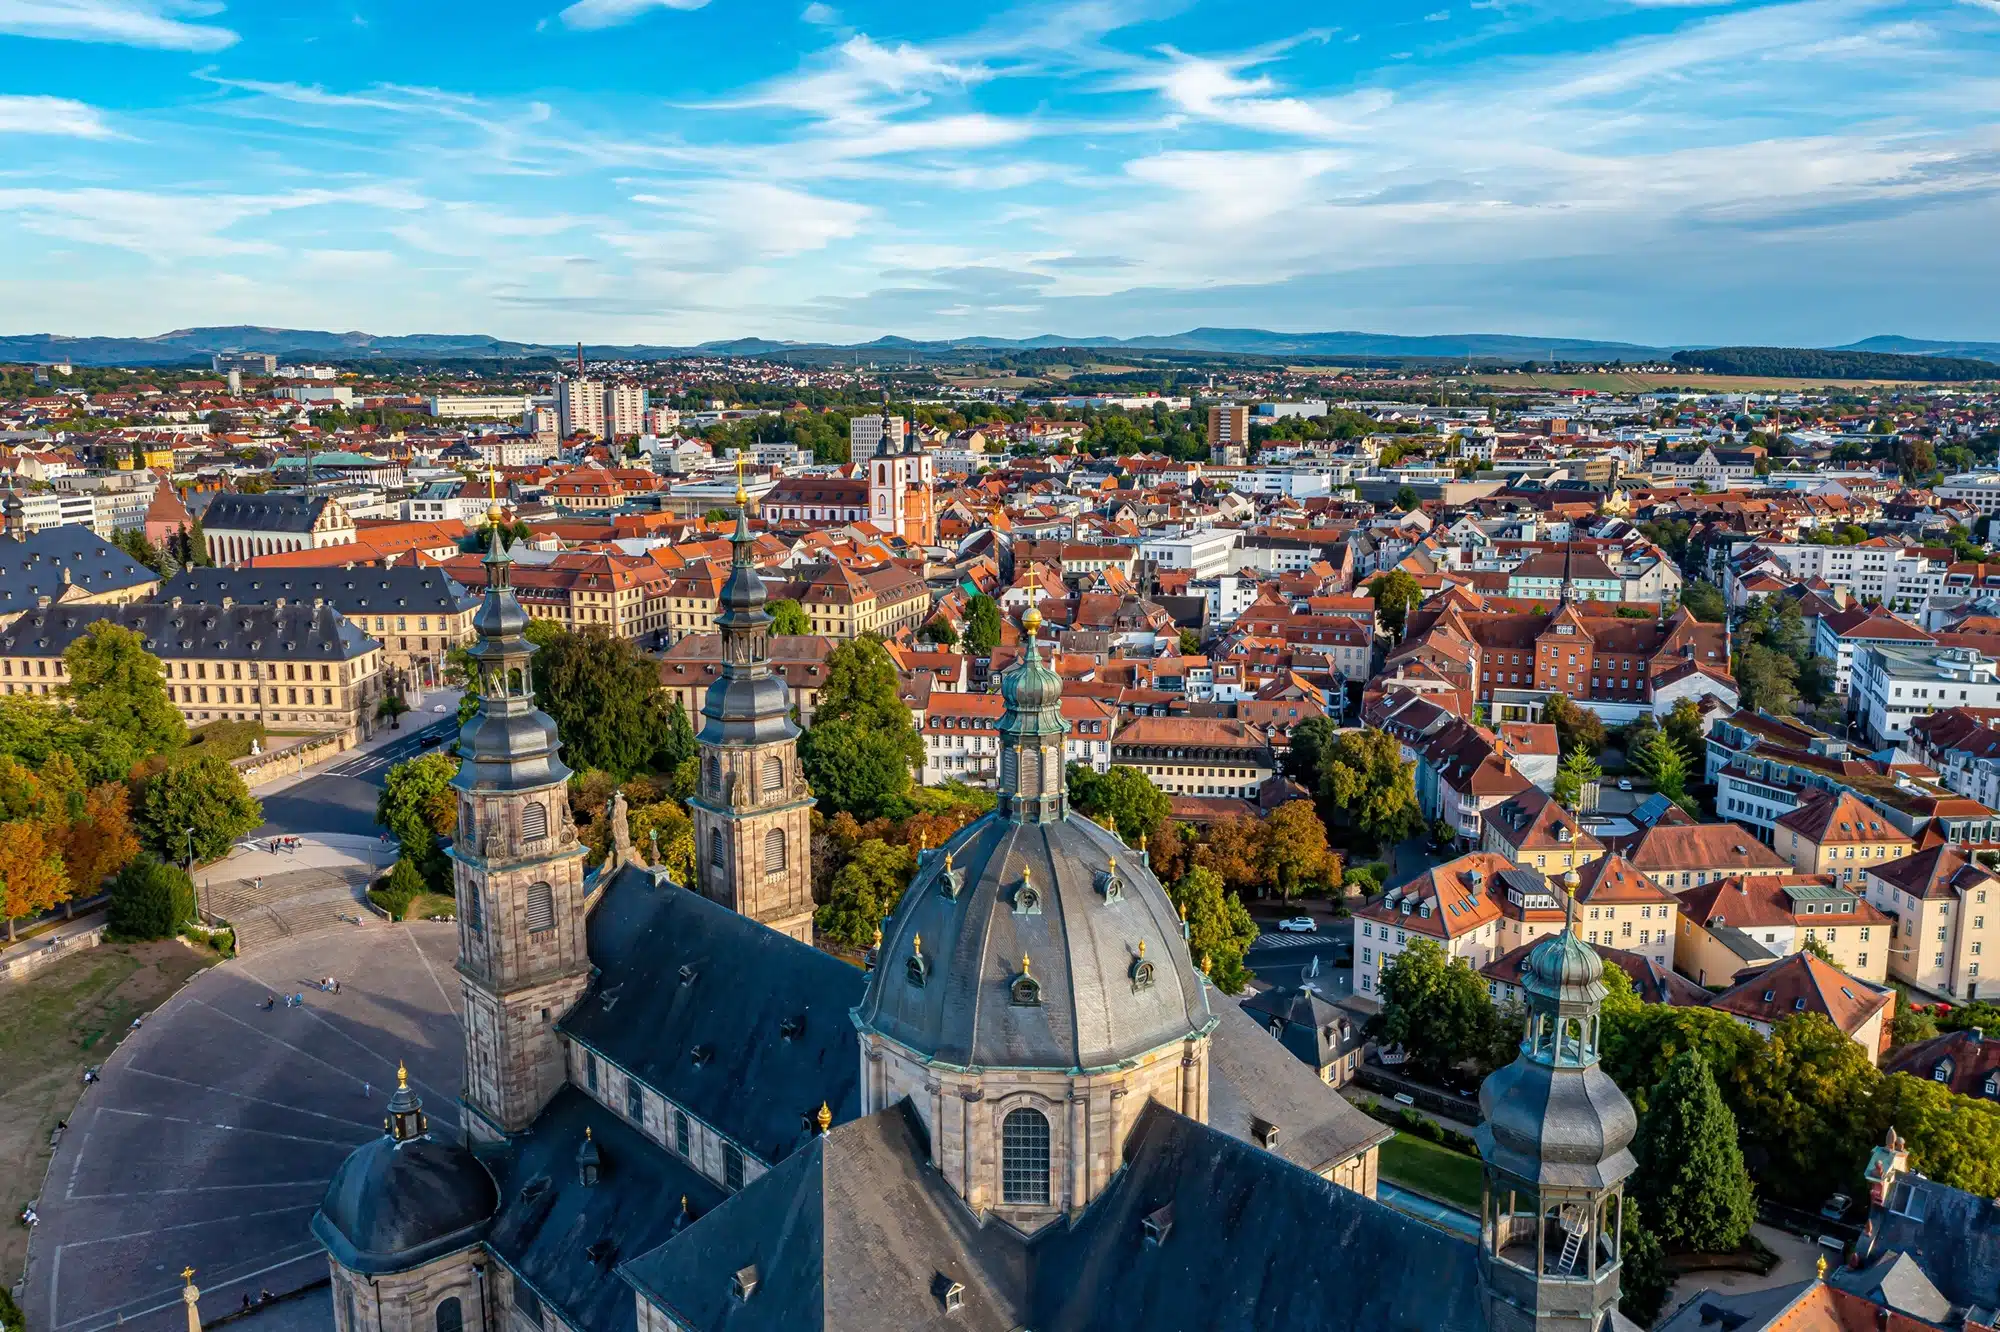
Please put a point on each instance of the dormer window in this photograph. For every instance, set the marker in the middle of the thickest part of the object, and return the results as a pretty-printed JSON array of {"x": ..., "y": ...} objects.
[
  {"x": 1026, "y": 991},
  {"x": 743, "y": 1283},
  {"x": 1265, "y": 1132},
  {"x": 949, "y": 1293},
  {"x": 1141, "y": 970},
  {"x": 1158, "y": 1224}
]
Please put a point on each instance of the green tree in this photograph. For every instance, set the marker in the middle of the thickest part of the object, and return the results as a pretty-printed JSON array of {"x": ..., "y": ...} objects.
[
  {"x": 1122, "y": 795},
  {"x": 1369, "y": 789},
  {"x": 982, "y": 625},
  {"x": 676, "y": 838},
  {"x": 1294, "y": 852},
  {"x": 406, "y": 882},
  {"x": 938, "y": 630},
  {"x": 1220, "y": 930},
  {"x": 1691, "y": 1178},
  {"x": 204, "y": 794},
  {"x": 1641, "y": 1040},
  {"x": 1643, "y": 1280},
  {"x": 787, "y": 617},
  {"x": 1954, "y": 1140},
  {"x": 1434, "y": 1007},
  {"x": 1406, "y": 498},
  {"x": 861, "y": 748},
  {"x": 1303, "y": 760},
  {"x": 865, "y": 890},
  {"x": 1685, "y": 728},
  {"x": 605, "y": 698},
  {"x": 1190, "y": 643},
  {"x": 1767, "y": 681},
  {"x": 1575, "y": 726},
  {"x": 116, "y": 683},
  {"x": 1804, "y": 1106},
  {"x": 1578, "y": 770},
  {"x": 1704, "y": 601},
  {"x": 1395, "y": 592},
  {"x": 677, "y": 742},
  {"x": 1653, "y": 752},
  {"x": 418, "y": 805},
  {"x": 150, "y": 899}
]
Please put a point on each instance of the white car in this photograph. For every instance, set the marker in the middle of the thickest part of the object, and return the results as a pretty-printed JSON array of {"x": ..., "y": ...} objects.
[
  {"x": 1298, "y": 925},
  {"x": 437, "y": 707},
  {"x": 1624, "y": 783}
]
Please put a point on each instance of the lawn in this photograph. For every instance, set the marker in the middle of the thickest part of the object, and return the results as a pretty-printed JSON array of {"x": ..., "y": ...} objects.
[
  {"x": 53, "y": 1025},
  {"x": 1425, "y": 1167}
]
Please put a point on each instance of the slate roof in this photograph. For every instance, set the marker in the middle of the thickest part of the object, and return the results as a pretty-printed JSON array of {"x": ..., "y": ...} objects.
[
  {"x": 1082, "y": 949},
  {"x": 50, "y": 562},
  {"x": 1253, "y": 1079},
  {"x": 269, "y": 512},
  {"x": 1934, "y": 873},
  {"x": 1954, "y": 1236},
  {"x": 1968, "y": 1061},
  {"x": 1896, "y": 1282},
  {"x": 197, "y": 631},
  {"x": 756, "y": 1086},
  {"x": 549, "y": 1233},
  {"x": 401, "y": 590}
]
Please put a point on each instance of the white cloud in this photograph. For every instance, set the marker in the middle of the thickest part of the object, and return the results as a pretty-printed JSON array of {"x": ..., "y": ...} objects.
[
  {"x": 52, "y": 115},
  {"x": 742, "y": 221},
  {"x": 160, "y": 23},
  {"x": 1437, "y": 17},
  {"x": 178, "y": 226},
  {"x": 822, "y": 15},
  {"x": 589, "y": 15}
]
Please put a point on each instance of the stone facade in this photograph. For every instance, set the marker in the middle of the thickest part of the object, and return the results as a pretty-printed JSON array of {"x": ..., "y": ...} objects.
[
  {"x": 753, "y": 834},
  {"x": 419, "y": 1300}
]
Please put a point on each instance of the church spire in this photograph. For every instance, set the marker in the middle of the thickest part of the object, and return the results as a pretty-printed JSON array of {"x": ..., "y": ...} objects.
[{"x": 1032, "y": 729}]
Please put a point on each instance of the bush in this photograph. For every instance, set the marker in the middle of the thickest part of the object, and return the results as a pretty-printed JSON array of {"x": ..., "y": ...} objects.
[
  {"x": 150, "y": 900},
  {"x": 11, "y": 1317},
  {"x": 1405, "y": 1120},
  {"x": 403, "y": 885},
  {"x": 224, "y": 739}
]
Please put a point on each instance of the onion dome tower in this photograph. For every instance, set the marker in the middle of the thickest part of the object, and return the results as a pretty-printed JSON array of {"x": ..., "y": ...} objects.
[
  {"x": 517, "y": 870},
  {"x": 752, "y": 809},
  {"x": 1033, "y": 991},
  {"x": 1555, "y": 1141}
]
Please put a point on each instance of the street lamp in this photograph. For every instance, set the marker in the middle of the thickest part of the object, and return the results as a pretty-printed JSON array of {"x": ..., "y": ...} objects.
[{"x": 188, "y": 832}]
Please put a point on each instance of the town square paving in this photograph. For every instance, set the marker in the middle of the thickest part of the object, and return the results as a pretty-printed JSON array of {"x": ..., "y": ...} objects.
[{"x": 213, "y": 1130}]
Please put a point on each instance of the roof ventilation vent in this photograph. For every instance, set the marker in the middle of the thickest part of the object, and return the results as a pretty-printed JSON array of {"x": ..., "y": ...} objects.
[{"x": 1158, "y": 1225}]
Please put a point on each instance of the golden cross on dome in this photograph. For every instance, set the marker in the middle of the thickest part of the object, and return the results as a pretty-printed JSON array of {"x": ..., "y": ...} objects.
[
  {"x": 493, "y": 494},
  {"x": 187, "y": 1274},
  {"x": 742, "y": 460},
  {"x": 402, "y": 1076}
]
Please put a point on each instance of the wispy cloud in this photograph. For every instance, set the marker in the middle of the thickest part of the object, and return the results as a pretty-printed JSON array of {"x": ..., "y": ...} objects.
[
  {"x": 588, "y": 15},
  {"x": 159, "y": 23},
  {"x": 52, "y": 115}
]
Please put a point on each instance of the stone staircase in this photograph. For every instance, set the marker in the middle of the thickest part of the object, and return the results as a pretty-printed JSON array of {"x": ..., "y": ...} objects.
[{"x": 284, "y": 906}]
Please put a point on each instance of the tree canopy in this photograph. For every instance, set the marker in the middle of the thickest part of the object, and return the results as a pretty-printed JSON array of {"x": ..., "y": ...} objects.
[
  {"x": 1435, "y": 1008},
  {"x": 982, "y": 625},
  {"x": 1691, "y": 1179},
  {"x": 204, "y": 794},
  {"x": 862, "y": 745},
  {"x": 1394, "y": 592},
  {"x": 605, "y": 699},
  {"x": 116, "y": 683},
  {"x": 865, "y": 890},
  {"x": 1368, "y": 790},
  {"x": 1220, "y": 930},
  {"x": 1122, "y": 795},
  {"x": 787, "y": 617}
]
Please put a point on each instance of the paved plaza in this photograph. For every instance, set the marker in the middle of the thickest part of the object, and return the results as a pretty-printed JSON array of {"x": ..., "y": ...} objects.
[
  {"x": 277, "y": 889},
  {"x": 214, "y": 1129}
]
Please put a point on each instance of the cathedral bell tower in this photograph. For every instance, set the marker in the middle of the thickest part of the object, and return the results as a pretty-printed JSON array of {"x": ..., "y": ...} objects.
[
  {"x": 517, "y": 869},
  {"x": 1032, "y": 731},
  {"x": 1555, "y": 1142},
  {"x": 752, "y": 809}
]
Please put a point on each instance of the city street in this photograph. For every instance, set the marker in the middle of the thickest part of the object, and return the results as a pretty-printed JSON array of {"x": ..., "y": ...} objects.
[{"x": 340, "y": 798}]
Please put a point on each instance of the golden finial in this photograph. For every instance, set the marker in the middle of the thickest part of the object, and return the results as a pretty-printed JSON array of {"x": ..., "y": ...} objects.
[
  {"x": 1033, "y": 619},
  {"x": 1822, "y": 1267},
  {"x": 1024, "y": 964},
  {"x": 402, "y": 1077},
  {"x": 917, "y": 945},
  {"x": 493, "y": 510},
  {"x": 947, "y": 860},
  {"x": 1027, "y": 875},
  {"x": 1184, "y": 911},
  {"x": 187, "y": 1275},
  {"x": 1204, "y": 964},
  {"x": 1114, "y": 864},
  {"x": 742, "y": 494},
  {"x": 824, "y": 1118},
  {"x": 1142, "y": 948},
  {"x": 878, "y": 936},
  {"x": 586, "y": 1133},
  {"x": 923, "y": 840}
]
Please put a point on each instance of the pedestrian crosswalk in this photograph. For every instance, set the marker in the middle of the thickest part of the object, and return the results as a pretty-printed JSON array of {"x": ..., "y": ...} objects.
[{"x": 1279, "y": 939}]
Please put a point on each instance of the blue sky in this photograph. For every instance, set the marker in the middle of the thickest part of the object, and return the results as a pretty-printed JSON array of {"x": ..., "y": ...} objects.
[{"x": 1809, "y": 171}]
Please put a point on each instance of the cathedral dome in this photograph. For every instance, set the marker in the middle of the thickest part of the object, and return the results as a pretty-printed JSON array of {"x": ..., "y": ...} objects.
[
  {"x": 1031, "y": 945},
  {"x": 1032, "y": 686}
]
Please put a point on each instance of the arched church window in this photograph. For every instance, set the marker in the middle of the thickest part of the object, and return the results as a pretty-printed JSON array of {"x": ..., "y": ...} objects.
[
  {"x": 774, "y": 774},
  {"x": 541, "y": 913},
  {"x": 774, "y": 851},
  {"x": 450, "y": 1315},
  {"x": 534, "y": 821},
  {"x": 716, "y": 855},
  {"x": 1024, "y": 1158},
  {"x": 475, "y": 912},
  {"x": 714, "y": 767}
]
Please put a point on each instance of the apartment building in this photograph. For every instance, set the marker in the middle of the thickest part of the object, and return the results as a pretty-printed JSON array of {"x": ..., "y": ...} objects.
[
  {"x": 1892, "y": 686},
  {"x": 580, "y": 407},
  {"x": 1205, "y": 552},
  {"x": 1979, "y": 489},
  {"x": 1620, "y": 906},
  {"x": 1836, "y": 636},
  {"x": 1963, "y": 749},
  {"x": 962, "y": 739},
  {"x": 626, "y": 596},
  {"x": 296, "y": 667},
  {"x": 694, "y": 662},
  {"x": 237, "y": 528},
  {"x": 1452, "y": 905},
  {"x": 1802, "y": 983},
  {"x": 1228, "y": 426},
  {"x": 1736, "y": 923},
  {"x": 1835, "y": 834},
  {"x": 842, "y": 603},
  {"x": 694, "y": 598},
  {"x": 1945, "y": 906},
  {"x": 64, "y": 566},
  {"x": 1197, "y": 756},
  {"x": 1900, "y": 577},
  {"x": 1679, "y": 856},
  {"x": 416, "y": 613},
  {"x": 481, "y": 407},
  {"x": 1534, "y": 832}
]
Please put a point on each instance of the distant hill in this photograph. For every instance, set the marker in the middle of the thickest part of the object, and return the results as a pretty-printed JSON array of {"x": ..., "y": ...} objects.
[
  {"x": 1929, "y": 360},
  {"x": 1812, "y": 363}
]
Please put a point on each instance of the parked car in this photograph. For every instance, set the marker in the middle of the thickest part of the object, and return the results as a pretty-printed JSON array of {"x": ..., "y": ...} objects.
[
  {"x": 1624, "y": 783},
  {"x": 437, "y": 707},
  {"x": 1299, "y": 925},
  {"x": 431, "y": 740}
]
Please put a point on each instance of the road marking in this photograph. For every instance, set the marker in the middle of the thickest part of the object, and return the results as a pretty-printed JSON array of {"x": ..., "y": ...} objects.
[
  {"x": 319, "y": 1018},
  {"x": 237, "y": 1128},
  {"x": 255, "y": 1100},
  {"x": 168, "y": 1301},
  {"x": 407, "y": 934},
  {"x": 204, "y": 1188},
  {"x": 191, "y": 1225}
]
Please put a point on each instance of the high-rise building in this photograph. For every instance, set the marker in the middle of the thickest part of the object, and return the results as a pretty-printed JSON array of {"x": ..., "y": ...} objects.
[
  {"x": 1228, "y": 426},
  {"x": 753, "y": 810},
  {"x": 256, "y": 363},
  {"x": 864, "y": 435},
  {"x": 625, "y": 410},
  {"x": 580, "y": 407}
]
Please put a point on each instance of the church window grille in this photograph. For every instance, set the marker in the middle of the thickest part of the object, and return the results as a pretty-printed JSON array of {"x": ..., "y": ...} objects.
[
  {"x": 475, "y": 912},
  {"x": 732, "y": 1167},
  {"x": 541, "y": 908},
  {"x": 534, "y": 822},
  {"x": 774, "y": 851},
  {"x": 1008, "y": 768},
  {"x": 635, "y": 1101},
  {"x": 714, "y": 766},
  {"x": 774, "y": 774},
  {"x": 450, "y": 1315},
  {"x": 1024, "y": 1158},
  {"x": 681, "y": 1132},
  {"x": 716, "y": 855},
  {"x": 590, "y": 1070}
]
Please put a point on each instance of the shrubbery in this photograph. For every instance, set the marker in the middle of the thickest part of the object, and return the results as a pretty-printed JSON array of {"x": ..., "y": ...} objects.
[{"x": 150, "y": 900}]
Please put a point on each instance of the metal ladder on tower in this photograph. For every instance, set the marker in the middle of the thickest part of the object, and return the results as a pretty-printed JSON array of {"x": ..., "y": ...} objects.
[{"x": 1572, "y": 1247}]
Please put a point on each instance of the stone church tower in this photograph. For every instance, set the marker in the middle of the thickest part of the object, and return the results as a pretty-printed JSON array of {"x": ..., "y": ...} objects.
[
  {"x": 1555, "y": 1140},
  {"x": 752, "y": 810},
  {"x": 517, "y": 868}
]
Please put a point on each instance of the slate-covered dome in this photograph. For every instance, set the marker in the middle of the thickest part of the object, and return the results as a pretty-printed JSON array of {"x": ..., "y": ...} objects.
[
  {"x": 1564, "y": 966},
  {"x": 1107, "y": 976},
  {"x": 1032, "y": 686}
]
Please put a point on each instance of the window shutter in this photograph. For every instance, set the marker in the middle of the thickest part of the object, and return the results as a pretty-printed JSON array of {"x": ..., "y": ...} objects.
[
  {"x": 774, "y": 851},
  {"x": 535, "y": 822},
  {"x": 541, "y": 908}
]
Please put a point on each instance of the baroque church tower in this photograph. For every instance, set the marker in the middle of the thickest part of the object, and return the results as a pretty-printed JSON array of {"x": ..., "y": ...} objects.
[
  {"x": 1555, "y": 1138},
  {"x": 517, "y": 869},
  {"x": 752, "y": 810}
]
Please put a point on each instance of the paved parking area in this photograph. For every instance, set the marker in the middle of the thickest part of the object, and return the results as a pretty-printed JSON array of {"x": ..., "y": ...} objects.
[{"x": 214, "y": 1129}]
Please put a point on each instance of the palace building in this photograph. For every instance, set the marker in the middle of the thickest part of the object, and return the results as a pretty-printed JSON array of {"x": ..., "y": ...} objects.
[{"x": 1032, "y": 1111}]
